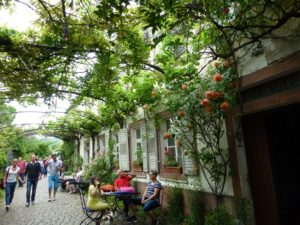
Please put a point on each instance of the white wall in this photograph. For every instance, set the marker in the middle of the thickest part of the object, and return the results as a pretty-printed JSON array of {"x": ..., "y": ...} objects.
[{"x": 274, "y": 49}]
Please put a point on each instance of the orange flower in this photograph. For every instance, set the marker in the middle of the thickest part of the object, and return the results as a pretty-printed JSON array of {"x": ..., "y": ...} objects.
[
  {"x": 224, "y": 106},
  {"x": 205, "y": 102},
  {"x": 218, "y": 77}
]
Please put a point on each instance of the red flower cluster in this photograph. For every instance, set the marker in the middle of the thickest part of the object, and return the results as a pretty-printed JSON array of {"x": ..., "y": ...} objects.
[{"x": 168, "y": 135}]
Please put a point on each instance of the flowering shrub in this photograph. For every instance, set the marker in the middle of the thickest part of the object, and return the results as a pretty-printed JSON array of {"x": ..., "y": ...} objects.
[{"x": 199, "y": 108}]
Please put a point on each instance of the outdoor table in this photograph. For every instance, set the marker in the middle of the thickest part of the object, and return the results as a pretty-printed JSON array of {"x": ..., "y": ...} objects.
[{"x": 118, "y": 195}]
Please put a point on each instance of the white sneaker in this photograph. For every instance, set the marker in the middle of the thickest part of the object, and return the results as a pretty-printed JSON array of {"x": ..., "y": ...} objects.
[
  {"x": 49, "y": 199},
  {"x": 27, "y": 204},
  {"x": 53, "y": 199}
]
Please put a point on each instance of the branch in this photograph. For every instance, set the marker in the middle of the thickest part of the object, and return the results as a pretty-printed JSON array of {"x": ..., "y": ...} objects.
[
  {"x": 157, "y": 68},
  {"x": 81, "y": 94},
  {"x": 49, "y": 14}
]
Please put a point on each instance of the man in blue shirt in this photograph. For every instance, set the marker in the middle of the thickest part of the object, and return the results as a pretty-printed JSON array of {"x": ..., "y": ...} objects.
[
  {"x": 150, "y": 198},
  {"x": 54, "y": 167}
]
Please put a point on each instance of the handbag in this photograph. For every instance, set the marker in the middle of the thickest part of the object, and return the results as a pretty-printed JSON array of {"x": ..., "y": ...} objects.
[
  {"x": 2, "y": 181},
  {"x": 127, "y": 189}
]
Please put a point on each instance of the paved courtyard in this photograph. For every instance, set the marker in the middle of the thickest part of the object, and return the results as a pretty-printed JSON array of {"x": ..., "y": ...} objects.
[{"x": 66, "y": 210}]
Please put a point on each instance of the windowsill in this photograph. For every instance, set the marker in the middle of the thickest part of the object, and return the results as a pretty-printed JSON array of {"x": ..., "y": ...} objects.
[
  {"x": 172, "y": 169},
  {"x": 182, "y": 179}
]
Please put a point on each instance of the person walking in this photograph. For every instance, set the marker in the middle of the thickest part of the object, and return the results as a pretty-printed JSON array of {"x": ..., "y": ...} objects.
[
  {"x": 45, "y": 167},
  {"x": 41, "y": 162},
  {"x": 11, "y": 176},
  {"x": 21, "y": 164},
  {"x": 33, "y": 173},
  {"x": 54, "y": 167}
]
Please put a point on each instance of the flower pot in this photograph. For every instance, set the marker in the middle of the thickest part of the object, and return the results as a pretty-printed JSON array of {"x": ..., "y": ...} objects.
[
  {"x": 170, "y": 169},
  {"x": 137, "y": 168}
]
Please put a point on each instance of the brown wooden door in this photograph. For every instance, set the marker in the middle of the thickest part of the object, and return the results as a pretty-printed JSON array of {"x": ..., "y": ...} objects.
[{"x": 260, "y": 172}]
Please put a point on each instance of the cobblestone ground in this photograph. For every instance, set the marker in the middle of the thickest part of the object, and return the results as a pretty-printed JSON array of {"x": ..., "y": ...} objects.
[{"x": 66, "y": 210}]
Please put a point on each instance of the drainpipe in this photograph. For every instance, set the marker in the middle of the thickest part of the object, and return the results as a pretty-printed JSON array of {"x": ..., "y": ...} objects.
[{"x": 146, "y": 140}]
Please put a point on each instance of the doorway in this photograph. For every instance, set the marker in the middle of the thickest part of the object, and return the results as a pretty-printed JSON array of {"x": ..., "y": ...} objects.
[{"x": 272, "y": 140}]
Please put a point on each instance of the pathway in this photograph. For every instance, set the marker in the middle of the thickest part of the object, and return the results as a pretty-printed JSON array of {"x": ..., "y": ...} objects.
[{"x": 66, "y": 210}]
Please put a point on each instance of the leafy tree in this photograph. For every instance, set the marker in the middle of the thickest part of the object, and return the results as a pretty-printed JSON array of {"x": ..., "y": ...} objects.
[
  {"x": 99, "y": 54},
  {"x": 67, "y": 154}
]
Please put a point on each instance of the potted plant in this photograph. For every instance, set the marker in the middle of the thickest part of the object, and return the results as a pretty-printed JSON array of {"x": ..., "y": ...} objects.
[
  {"x": 137, "y": 165},
  {"x": 171, "y": 165},
  {"x": 116, "y": 164}
]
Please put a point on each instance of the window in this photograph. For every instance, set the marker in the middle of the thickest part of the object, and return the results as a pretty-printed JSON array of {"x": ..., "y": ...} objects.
[
  {"x": 138, "y": 140},
  {"x": 173, "y": 155},
  {"x": 117, "y": 139},
  {"x": 101, "y": 144},
  {"x": 138, "y": 133},
  {"x": 117, "y": 148}
]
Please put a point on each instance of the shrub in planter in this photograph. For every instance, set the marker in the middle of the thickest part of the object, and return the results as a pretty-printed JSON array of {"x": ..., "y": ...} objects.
[
  {"x": 175, "y": 206},
  {"x": 196, "y": 207},
  {"x": 139, "y": 157},
  {"x": 101, "y": 169},
  {"x": 137, "y": 163},
  {"x": 219, "y": 216}
]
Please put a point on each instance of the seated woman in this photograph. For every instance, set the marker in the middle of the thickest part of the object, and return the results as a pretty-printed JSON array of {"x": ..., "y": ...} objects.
[
  {"x": 94, "y": 193},
  {"x": 122, "y": 181},
  {"x": 71, "y": 183},
  {"x": 150, "y": 198},
  {"x": 94, "y": 202}
]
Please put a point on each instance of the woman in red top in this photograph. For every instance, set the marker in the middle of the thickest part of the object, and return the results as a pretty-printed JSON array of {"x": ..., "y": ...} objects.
[
  {"x": 21, "y": 164},
  {"x": 124, "y": 181}
]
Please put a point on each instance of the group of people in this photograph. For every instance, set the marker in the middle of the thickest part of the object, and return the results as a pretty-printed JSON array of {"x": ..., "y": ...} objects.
[
  {"x": 22, "y": 165},
  {"x": 30, "y": 173},
  {"x": 149, "y": 200}
]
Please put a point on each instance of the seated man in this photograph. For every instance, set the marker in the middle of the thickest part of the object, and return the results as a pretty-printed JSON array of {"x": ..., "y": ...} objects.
[
  {"x": 150, "y": 198},
  {"x": 124, "y": 181},
  {"x": 71, "y": 183}
]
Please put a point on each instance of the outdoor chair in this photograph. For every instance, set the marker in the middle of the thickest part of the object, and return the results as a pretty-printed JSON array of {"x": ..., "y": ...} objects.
[
  {"x": 156, "y": 212},
  {"x": 91, "y": 215}
]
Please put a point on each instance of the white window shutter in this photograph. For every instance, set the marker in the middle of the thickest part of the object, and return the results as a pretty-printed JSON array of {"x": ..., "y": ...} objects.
[
  {"x": 188, "y": 162},
  {"x": 124, "y": 156},
  {"x": 152, "y": 145},
  {"x": 144, "y": 146}
]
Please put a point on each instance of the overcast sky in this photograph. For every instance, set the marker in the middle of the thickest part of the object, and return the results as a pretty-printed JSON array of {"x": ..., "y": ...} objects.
[{"x": 21, "y": 19}]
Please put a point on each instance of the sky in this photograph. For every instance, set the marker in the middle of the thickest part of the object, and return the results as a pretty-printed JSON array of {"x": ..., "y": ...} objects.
[{"x": 21, "y": 19}]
